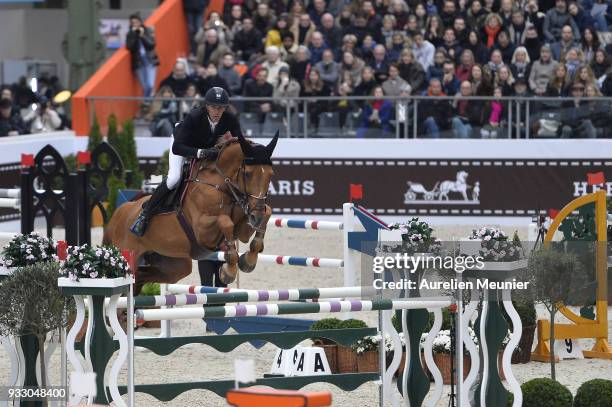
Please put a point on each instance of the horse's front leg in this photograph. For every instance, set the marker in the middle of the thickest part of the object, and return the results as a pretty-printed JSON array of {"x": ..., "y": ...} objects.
[
  {"x": 248, "y": 260},
  {"x": 230, "y": 268}
]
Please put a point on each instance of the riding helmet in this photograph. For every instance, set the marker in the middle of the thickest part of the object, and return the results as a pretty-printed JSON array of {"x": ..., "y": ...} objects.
[{"x": 216, "y": 96}]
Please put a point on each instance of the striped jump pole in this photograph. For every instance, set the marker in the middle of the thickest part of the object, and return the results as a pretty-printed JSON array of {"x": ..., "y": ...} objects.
[
  {"x": 249, "y": 310},
  {"x": 10, "y": 193},
  {"x": 14, "y": 203},
  {"x": 289, "y": 260},
  {"x": 212, "y": 295},
  {"x": 293, "y": 293},
  {"x": 305, "y": 224}
]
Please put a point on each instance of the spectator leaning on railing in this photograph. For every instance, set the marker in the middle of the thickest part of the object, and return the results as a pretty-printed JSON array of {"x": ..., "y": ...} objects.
[
  {"x": 542, "y": 71},
  {"x": 259, "y": 87},
  {"x": 164, "y": 113},
  {"x": 140, "y": 41},
  {"x": 435, "y": 113},
  {"x": 376, "y": 115},
  {"x": 285, "y": 87}
]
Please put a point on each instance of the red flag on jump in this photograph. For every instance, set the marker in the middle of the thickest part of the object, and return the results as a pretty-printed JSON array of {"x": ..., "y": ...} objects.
[
  {"x": 595, "y": 178},
  {"x": 128, "y": 255},
  {"x": 62, "y": 249},
  {"x": 552, "y": 213},
  {"x": 356, "y": 192},
  {"x": 84, "y": 157},
  {"x": 27, "y": 160}
]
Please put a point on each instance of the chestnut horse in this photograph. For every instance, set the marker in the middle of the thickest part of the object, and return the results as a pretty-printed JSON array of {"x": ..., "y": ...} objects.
[{"x": 223, "y": 201}]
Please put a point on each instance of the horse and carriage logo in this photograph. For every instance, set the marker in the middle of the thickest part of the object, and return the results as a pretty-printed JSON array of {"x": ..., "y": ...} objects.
[{"x": 439, "y": 194}]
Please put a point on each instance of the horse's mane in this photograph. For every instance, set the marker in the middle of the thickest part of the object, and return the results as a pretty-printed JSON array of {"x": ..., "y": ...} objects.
[{"x": 226, "y": 143}]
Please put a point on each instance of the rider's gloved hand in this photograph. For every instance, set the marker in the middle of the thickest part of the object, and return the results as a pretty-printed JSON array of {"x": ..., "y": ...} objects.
[{"x": 208, "y": 153}]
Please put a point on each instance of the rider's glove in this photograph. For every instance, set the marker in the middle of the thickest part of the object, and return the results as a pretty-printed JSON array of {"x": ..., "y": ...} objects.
[{"x": 208, "y": 153}]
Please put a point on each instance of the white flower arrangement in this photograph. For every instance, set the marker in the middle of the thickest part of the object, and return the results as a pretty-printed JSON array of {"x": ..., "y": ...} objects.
[
  {"x": 495, "y": 245},
  {"x": 94, "y": 262},
  {"x": 416, "y": 237},
  {"x": 27, "y": 249},
  {"x": 442, "y": 341},
  {"x": 371, "y": 343}
]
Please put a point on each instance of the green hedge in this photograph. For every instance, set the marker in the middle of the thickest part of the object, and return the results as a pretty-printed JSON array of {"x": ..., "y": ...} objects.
[
  {"x": 594, "y": 393},
  {"x": 544, "y": 392}
]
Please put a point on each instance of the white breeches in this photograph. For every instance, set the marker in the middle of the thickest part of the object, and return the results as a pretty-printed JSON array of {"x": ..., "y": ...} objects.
[{"x": 175, "y": 168}]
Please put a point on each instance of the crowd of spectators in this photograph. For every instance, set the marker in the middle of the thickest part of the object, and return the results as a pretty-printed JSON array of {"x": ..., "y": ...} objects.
[
  {"x": 389, "y": 48},
  {"x": 23, "y": 111}
]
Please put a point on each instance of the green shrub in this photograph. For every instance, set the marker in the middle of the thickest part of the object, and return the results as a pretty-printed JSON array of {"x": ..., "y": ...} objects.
[
  {"x": 326, "y": 323},
  {"x": 594, "y": 393},
  {"x": 112, "y": 136},
  {"x": 545, "y": 392},
  {"x": 150, "y": 289},
  {"x": 95, "y": 135},
  {"x": 352, "y": 323},
  {"x": 128, "y": 154},
  {"x": 114, "y": 185}
]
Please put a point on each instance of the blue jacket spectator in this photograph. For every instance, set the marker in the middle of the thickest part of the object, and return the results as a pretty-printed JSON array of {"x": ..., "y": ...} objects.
[
  {"x": 316, "y": 48},
  {"x": 582, "y": 18},
  {"x": 376, "y": 116}
]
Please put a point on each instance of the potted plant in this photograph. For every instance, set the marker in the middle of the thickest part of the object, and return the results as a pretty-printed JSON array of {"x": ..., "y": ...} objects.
[
  {"x": 147, "y": 290},
  {"x": 329, "y": 346},
  {"x": 441, "y": 349},
  {"x": 99, "y": 266},
  {"x": 367, "y": 350},
  {"x": 28, "y": 249},
  {"x": 32, "y": 304},
  {"x": 100, "y": 273},
  {"x": 347, "y": 358},
  {"x": 557, "y": 276},
  {"x": 497, "y": 252},
  {"x": 416, "y": 237}
]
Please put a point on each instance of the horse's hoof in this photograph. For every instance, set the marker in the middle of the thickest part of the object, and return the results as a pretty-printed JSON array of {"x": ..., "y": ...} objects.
[
  {"x": 226, "y": 278},
  {"x": 243, "y": 265}
]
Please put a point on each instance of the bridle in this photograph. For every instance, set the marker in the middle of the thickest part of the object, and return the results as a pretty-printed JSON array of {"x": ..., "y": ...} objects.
[{"x": 233, "y": 190}]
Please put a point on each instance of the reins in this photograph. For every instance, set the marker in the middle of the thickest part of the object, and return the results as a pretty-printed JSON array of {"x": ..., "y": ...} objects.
[{"x": 233, "y": 190}]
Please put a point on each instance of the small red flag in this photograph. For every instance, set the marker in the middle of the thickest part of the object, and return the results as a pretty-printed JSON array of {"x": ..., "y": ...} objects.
[
  {"x": 128, "y": 255},
  {"x": 62, "y": 249},
  {"x": 595, "y": 178},
  {"x": 552, "y": 213},
  {"x": 27, "y": 160},
  {"x": 84, "y": 157},
  {"x": 356, "y": 192}
]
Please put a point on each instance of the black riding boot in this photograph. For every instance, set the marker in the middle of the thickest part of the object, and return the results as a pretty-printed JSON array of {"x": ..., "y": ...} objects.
[{"x": 140, "y": 225}]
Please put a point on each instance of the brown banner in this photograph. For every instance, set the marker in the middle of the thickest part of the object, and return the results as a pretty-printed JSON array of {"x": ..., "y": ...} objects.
[{"x": 433, "y": 187}]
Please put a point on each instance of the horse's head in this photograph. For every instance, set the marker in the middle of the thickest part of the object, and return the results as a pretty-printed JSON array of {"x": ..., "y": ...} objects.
[
  {"x": 252, "y": 176},
  {"x": 462, "y": 176}
]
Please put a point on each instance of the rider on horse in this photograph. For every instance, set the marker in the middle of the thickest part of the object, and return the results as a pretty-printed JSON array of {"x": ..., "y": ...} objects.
[{"x": 200, "y": 130}]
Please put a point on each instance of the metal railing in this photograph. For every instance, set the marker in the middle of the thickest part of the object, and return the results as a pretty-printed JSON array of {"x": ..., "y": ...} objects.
[{"x": 343, "y": 116}]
